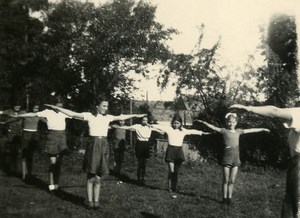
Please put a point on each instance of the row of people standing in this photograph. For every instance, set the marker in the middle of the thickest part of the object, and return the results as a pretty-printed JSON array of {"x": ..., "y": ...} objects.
[
  {"x": 96, "y": 160},
  {"x": 98, "y": 167},
  {"x": 22, "y": 139}
]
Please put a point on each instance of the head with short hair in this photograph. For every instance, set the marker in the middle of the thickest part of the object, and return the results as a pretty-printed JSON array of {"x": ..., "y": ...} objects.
[
  {"x": 35, "y": 108},
  {"x": 144, "y": 120},
  {"x": 17, "y": 107},
  {"x": 101, "y": 106},
  {"x": 231, "y": 120},
  {"x": 121, "y": 122},
  {"x": 176, "y": 122}
]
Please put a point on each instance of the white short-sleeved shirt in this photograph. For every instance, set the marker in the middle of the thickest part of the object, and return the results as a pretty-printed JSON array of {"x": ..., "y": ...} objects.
[
  {"x": 294, "y": 134},
  {"x": 55, "y": 121},
  {"x": 176, "y": 136},
  {"x": 99, "y": 124},
  {"x": 143, "y": 133}
]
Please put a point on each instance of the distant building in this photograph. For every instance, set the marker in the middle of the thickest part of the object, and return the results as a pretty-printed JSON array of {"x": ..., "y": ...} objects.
[{"x": 187, "y": 106}]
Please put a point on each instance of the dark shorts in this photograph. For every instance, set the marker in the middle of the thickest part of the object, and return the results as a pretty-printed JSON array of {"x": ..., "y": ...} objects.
[
  {"x": 30, "y": 142},
  {"x": 14, "y": 143},
  {"x": 119, "y": 144},
  {"x": 96, "y": 156},
  {"x": 231, "y": 157},
  {"x": 56, "y": 143},
  {"x": 142, "y": 149},
  {"x": 174, "y": 154}
]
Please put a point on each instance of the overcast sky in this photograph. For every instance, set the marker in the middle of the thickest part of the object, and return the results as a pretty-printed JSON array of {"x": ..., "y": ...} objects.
[{"x": 235, "y": 21}]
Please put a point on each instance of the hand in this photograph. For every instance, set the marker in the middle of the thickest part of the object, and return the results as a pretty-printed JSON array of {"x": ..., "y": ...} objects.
[
  {"x": 267, "y": 130},
  {"x": 48, "y": 105},
  {"x": 238, "y": 106}
]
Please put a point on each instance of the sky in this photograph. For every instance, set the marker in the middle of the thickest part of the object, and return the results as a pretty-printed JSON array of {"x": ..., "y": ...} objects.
[{"x": 235, "y": 21}]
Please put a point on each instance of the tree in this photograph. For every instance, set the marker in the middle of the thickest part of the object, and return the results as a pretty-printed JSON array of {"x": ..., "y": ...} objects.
[
  {"x": 90, "y": 49},
  {"x": 281, "y": 50},
  {"x": 18, "y": 45}
]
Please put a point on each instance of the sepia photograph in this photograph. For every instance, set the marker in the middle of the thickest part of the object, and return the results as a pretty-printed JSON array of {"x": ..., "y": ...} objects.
[{"x": 150, "y": 108}]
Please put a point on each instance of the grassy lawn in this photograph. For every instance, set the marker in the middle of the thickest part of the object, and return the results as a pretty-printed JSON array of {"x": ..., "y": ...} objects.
[{"x": 257, "y": 193}]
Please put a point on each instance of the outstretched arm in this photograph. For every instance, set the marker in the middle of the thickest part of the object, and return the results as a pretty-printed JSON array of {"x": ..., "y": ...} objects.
[
  {"x": 268, "y": 111},
  {"x": 25, "y": 115},
  {"x": 128, "y": 116},
  {"x": 210, "y": 125},
  {"x": 11, "y": 120},
  {"x": 123, "y": 127},
  {"x": 196, "y": 132},
  {"x": 66, "y": 111},
  {"x": 252, "y": 130}
]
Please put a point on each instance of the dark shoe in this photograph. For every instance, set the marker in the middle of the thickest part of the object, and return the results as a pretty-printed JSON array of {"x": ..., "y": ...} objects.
[
  {"x": 96, "y": 205},
  {"x": 139, "y": 182},
  {"x": 89, "y": 205},
  {"x": 224, "y": 201},
  {"x": 27, "y": 180},
  {"x": 229, "y": 202}
]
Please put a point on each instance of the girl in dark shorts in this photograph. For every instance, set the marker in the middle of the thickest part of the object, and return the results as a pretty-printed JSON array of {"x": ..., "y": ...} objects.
[
  {"x": 142, "y": 147},
  {"x": 231, "y": 156},
  {"x": 174, "y": 153},
  {"x": 97, "y": 151}
]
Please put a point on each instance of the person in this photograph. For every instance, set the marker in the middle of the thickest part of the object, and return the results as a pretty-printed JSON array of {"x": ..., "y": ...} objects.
[
  {"x": 174, "y": 154},
  {"x": 231, "y": 157},
  {"x": 96, "y": 154},
  {"x": 118, "y": 146},
  {"x": 14, "y": 137},
  {"x": 142, "y": 147},
  {"x": 290, "y": 118},
  {"x": 56, "y": 145},
  {"x": 30, "y": 142}
]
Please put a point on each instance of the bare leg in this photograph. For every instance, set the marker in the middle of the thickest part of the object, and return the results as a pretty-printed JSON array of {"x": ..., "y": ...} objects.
[
  {"x": 175, "y": 176},
  {"x": 52, "y": 170},
  {"x": 57, "y": 170},
  {"x": 226, "y": 172},
  {"x": 97, "y": 186},
  {"x": 89, "y": 191},
  {"x": 24, "y": 169},
  {"x": 233, "y": 173},
  {"x": 170, "y": 175}
]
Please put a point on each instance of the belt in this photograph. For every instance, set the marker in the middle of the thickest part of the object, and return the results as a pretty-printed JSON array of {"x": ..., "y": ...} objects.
[
  {"x": 99, "y": 137},
  {"x": 144, "y": 140}
]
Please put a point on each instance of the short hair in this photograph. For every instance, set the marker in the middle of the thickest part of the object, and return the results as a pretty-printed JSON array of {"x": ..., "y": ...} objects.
[
  {"x": 231, "y": 116},
  {"x": 178, "y": 118}
]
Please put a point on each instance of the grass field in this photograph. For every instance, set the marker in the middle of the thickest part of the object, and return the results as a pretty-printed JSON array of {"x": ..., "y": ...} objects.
[{"x": 258, "y": 192}]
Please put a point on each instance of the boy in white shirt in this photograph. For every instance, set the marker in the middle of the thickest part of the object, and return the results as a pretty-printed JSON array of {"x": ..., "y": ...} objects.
[{"x": 56, "y": 144}]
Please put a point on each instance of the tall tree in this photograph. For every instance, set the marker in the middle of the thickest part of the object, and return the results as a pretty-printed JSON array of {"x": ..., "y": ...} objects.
[
  {"x": 90, "y": 49},
  {"x": 281, "y": 50},
  {"x": 18, "y": 42}
]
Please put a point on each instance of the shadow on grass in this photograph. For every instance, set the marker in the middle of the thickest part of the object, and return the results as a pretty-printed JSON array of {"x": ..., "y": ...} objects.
[
  {"x": 209, "y": 198},
  {"x": 63, "y": 195},
  {"x": 127, "y": 179},
  {"x": 149, "y": 215}
]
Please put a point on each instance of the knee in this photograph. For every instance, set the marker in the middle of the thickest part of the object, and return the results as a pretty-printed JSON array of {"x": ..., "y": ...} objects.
[
  {"x": 91, "y": 180},
  {"x": 225, "y": 181},
  {"x": 231, "y": 182},
  {"x": 97, "y": 179}
]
